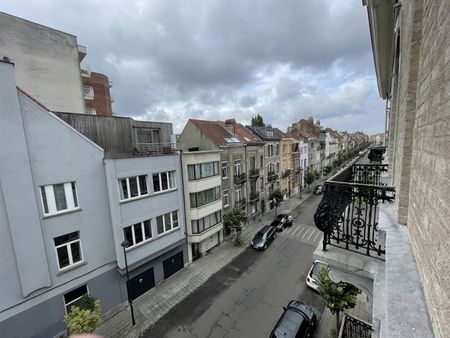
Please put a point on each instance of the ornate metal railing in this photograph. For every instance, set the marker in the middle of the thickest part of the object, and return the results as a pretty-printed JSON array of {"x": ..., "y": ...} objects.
[
  {"x": 271, "y": 176},
  {"x": 352, "y": 327},
  {"x": 240, "y": 203},
  {"x": 254, "y": 196},
  {"x": 286, "y": 173},
  {"x": 253, "y": 173},
  {"x": 240, "y": 178},
  {"x": 146, "y": 149},
  {"x": 349, "y": 210}
]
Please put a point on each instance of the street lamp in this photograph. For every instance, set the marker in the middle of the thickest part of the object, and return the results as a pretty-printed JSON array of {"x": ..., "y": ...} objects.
[{"x": 125, "y": 244}]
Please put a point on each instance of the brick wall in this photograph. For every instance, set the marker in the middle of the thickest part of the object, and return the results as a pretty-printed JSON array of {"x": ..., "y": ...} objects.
[
  {"x": 421, "y": 147},
  {"x": 102, "y": 96}
]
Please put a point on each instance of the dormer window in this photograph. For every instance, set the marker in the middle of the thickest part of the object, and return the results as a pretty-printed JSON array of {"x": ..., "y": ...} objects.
[{"x": 270, "y": 133}]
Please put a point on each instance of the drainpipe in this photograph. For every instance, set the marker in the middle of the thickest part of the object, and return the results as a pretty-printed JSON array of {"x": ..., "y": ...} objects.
[{"x": 184, "y": 203}]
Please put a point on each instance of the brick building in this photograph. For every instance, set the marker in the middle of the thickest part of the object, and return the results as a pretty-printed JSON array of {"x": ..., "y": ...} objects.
[{"x": 97, "y": 96}]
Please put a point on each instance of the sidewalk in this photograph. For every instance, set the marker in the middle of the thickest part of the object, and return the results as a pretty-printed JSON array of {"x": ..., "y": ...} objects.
[{"x": 154, "y": 304}]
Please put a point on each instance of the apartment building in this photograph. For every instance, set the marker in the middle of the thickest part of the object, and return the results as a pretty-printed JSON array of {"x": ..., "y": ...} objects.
[
  {"x": 271, "y": 137},
  {"x": 81, "y": 204},
  {"x": 202, "y": 193},
  {"x": 47, "y": 62},
  {"x": 290, "y": 164},
  {"x": 400, "y": 260},
  {"x": 96, "y": 93}
]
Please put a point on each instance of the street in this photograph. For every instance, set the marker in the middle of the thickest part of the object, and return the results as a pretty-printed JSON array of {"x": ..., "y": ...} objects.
[{"x": 246, "y": 298}]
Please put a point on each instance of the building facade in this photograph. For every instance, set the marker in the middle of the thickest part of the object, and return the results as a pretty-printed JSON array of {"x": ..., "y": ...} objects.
[
  {"x": 202, "y": 193},
  {"x": 96, "y": 93},
  {"x": 81, "y": 204},
  {"x": 52, "y": 74}
]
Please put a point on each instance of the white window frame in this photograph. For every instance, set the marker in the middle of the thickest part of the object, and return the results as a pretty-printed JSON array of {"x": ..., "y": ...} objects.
[
  {"x": 237, "y": 167},
  {"x": 226, "y": 170},
  {"x": 164, "y": 222},
  {"x": 69, "y": 253},
  {"x": 73, "y": 301},
  {"x": 72, "y": 203},
  {"x": 168, "y": 173},
  {"x": 133, "y": 235},
  {"x": 226, "y": 193},
  {"x": 238, "y": 192},
  {"x": 138, "y": 183}
]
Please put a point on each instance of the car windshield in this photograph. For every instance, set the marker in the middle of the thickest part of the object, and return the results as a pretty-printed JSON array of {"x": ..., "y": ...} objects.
[
  {"x": 289, "y": 324},
  {"x": 316, "y": 269},
  {"x": 260, "y": 235},
  {"x": 279, "y": 217},
  {"x": 275, "y": 223}
]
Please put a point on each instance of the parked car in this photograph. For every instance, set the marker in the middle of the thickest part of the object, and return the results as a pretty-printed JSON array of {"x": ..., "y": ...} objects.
[
  {"x": 313, "y": 275},
  {"x": 264, "y": 237},
  {"x": 318, "y": 189},
  {"x": 298, "y": 320},
  {"x": 282, "y": 221}
]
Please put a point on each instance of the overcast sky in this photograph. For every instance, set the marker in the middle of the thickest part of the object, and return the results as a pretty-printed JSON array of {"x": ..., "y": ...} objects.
[{"x": 170, "y": 60}]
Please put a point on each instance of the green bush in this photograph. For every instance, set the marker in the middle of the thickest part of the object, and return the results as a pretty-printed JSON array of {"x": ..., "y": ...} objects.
[{"x": 84, "y": 320}]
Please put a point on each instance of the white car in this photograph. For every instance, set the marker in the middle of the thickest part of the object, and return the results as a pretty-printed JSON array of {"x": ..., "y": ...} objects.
[{"x": 313, "y": 274}]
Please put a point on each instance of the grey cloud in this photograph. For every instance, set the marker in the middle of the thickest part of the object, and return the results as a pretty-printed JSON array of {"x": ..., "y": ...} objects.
[{"x": 247, "y": 101}]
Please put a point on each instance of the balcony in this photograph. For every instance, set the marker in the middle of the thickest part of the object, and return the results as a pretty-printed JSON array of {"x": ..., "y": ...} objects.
[
  {"x": 254, "y": 196},
  {"x": 352, "y": 327},
  {"x": 146, "y": 149},
  {"x": 272, "y": 176},
  {"x": 241, "y": 203},
  {"x": 240, "y": 178},
  {"x": 286, "y": 173},
  {"x": 297, "y": 170},
  {"x": 88, "y": 93},
  {"x": 376, "y": 154},
  {"x": 349, "y": 210},
  {"x": 253, "y": 173}
]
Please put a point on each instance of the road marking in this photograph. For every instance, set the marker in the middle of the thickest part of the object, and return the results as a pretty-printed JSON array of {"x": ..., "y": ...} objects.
[
  {"x": 318, "y": 233},
  {"x": 289, "y": 230},
  {"x": 305, "y": 233},
  {"x": 295, "y": 231},
  {"x": 311, "y": 234}
]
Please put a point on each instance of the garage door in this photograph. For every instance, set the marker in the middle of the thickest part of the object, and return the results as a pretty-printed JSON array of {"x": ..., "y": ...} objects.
[
  {"x": 173, "y": 264},
  {"x": 141, "y": 283}
]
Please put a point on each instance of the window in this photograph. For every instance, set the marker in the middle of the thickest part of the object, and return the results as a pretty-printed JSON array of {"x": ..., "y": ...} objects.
[
  {"x": 59, "y": 197},
  {"x": 261, "y": 181},
  {"x": 237, "y": 167},
  {"x": 224, "y": 169},
  {"x": 204, "y": 197},
  {"x": 270, "y": 150},
  {"x": 277, "y": 149},
  {"x": 73, "y": 297},
  {"x": 200, "y": 225},
  {"x": 238, "y": 195},
  {"x": 132, "y": 187},
  {"x": 261, "y": 161},
  {"x": 226, "y": 200},
  {"x": 137, "y": 233},
  {"x": 270, "y": 133},
  {"x": 167, "y": 222},
  {"x": 164, "y": 181},
  {"x": 278, "y": 167},
  {"x": 198, "y": 171},
  {"x": 68, "y": 249},
  {"x": 147, "y": 135}
]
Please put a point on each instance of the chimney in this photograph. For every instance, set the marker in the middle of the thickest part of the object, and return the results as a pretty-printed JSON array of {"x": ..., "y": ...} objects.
[{"x": 230, "y": 125}]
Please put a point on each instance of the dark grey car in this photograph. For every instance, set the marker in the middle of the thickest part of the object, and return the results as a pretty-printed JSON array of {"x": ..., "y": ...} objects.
[
  {"x": 264, "y": 237},
  {"x": 298, "y": 320}
]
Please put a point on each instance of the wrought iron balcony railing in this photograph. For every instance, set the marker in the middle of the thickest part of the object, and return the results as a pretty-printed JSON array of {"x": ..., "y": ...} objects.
[
  {"x": 286, "y": 173},
  {"x": 240, "y": 178},
  {"x": 271, "y": 176},
  {"x": 349, "y": 210},
  {"x": 254, "y": 196},
  {"x": 352, "y": 327},
  {"x": 253, "y": 173},
  {"x": 240, "y": 203}
]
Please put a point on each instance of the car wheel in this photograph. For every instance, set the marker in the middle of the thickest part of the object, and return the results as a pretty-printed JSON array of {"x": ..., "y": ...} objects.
[
  {"x": 265, "y": 246},
  {"x": 275, "y": 236}
]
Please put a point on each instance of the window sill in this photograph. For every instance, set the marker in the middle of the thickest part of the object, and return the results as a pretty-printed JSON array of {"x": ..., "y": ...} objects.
[
  {"x": 167, "y": 232},
  {"x": 63, "y": 212},
  {"x": 163, "y": 192},
  {"x": 131, "y": 248},
  {"x": 204, "y": 205},
  {"x": 70, "y": 268},
  {"x": 134, "y": 199}
]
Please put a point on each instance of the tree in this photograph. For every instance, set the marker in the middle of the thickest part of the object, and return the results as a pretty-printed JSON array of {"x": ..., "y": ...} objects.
[
  {"x": 337, "y": 296},
  {"x": 85, "y": 317},
  {"x": 258, "y": 121},
  {"x": 234, "y": 220},
  {"x": 276, "y": 197},
  {"x": 309, "y": 178}
]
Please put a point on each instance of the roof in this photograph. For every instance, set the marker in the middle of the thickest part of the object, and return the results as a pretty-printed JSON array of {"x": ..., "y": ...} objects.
[
  {"x": 263, "y": 133},
  {"x": 20, "y": 90},
  {"x": 246, "y": 135},
  {"x": 216, "y": 132}
]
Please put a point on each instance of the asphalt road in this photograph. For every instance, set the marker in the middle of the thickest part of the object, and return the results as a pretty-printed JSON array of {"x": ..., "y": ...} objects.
[{"x": 245, "y": 299}]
